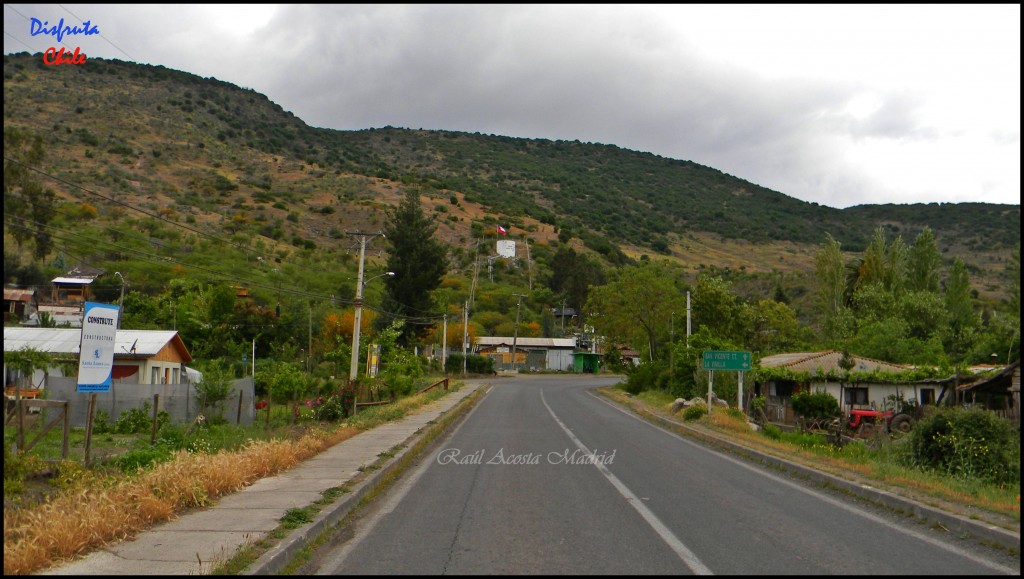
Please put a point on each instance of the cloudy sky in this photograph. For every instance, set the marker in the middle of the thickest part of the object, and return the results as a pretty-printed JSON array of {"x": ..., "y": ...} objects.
[{"x": 841, "y": 105}]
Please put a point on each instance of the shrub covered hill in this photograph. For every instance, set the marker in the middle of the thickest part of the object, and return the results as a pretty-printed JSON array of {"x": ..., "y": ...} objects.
[{"x": 227, "y": 161}]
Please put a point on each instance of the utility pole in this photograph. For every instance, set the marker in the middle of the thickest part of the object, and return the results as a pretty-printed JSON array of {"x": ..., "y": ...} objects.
[
  {"x": 120, "y": 301},
  {"x": 563, "y": 318},
  {"x": 444, "y": 346},
  {"x": 672, "y": 348},
  {"x": 529, "y": 264},
  {"x": 515, "y": 336},
  {"x": 687, "y": 320},
  {"x": 354, "y": 366},
  {"x": 465, "y": 336}
]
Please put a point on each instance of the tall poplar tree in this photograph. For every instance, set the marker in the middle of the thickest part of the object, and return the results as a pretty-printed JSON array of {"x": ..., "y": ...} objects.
[
  {"x": 419, "y": 262},
  {"x": 962, "y": 319},
  {"x": 924, "y": 263}
]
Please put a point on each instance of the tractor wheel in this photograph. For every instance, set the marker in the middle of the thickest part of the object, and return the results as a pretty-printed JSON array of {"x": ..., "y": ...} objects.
[{"x": 900, "y": 425}]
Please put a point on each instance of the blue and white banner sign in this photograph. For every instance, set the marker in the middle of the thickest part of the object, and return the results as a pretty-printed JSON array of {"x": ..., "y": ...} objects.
[{"x": 99, "y": 334}]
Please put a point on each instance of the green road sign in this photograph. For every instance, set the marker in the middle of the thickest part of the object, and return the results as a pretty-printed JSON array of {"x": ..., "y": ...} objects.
[{"x": 725, "y": 360}]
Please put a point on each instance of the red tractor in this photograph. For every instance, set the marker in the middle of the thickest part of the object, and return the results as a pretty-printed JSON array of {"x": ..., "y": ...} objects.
[{"x": 864, "y": 420}]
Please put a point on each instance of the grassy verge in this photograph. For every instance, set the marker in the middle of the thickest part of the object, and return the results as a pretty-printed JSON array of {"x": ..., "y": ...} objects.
[
  {"x": 87, "y": 507},
  {"x": 885, "y": 463}
]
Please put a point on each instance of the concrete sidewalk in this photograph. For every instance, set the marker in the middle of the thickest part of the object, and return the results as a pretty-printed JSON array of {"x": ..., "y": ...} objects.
[{"x": 196, "y": 542}]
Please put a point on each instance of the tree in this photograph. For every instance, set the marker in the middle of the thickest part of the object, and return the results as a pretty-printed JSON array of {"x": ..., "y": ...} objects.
[
  {"x": 774, "y": 327},
  {"x": 831, "y": 275},
  {"x": 27, "y": 204},
  {"x": 27, "y": 361},
  {"x": 419, "y": 262},
  {"x": 884, "y": 263},
  {"x": 715, "y": 307},
  {"x": 636, "y": 307},
  {"x": 873, "y": 265},
  {"x": 924, "y": 312},
  {"x": 214, "y": 388},
  {"x": 960, "y": 311},
  {"x": 923, "y": 263},
  {"x": 572, "y": 275}
]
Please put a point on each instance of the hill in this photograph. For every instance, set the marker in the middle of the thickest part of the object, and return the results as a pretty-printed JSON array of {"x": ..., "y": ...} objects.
[{"x": 231, "y": 163}]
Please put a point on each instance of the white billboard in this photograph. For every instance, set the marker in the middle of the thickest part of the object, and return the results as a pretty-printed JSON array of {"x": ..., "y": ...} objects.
[
  {"x": 96, "y": 357},
  {"x": 506, "y": 248}
]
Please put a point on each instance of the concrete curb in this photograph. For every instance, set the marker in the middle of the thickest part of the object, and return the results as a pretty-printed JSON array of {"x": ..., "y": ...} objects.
[
  {"x": 280, "y": 555},
  {"x": 953, "y": 522}
]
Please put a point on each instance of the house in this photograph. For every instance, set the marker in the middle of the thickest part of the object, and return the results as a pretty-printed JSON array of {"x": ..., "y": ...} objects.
[
  {"x": 70, "y": 290},
  {"x": 820, "y": 372},
  {"x": 565, "y": 317},
  {"x": 149, "y": 368},
  {"x": 140, "y": 356},
  {"x": 530, "y": 353},
  {"x": 19, "y": 303},
  {"x": 1000, "y": 393}
]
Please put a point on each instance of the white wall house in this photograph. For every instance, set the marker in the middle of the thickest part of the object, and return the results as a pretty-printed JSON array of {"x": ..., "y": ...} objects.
[{"x": 140, "y": 356}]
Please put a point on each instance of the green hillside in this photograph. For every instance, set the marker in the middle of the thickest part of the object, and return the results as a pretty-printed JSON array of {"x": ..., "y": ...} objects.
[{"x": 166, "y": 165}]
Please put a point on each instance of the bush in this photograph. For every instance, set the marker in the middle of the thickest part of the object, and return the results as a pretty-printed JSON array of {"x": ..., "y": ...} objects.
[
  {"x": 968, "y": 444},
  {"x": 736, "y": 413},
  {"x": 474, "y": 364},
  {"x": 694, "y": 412},
  {"x": 399, "y": 385},
  {"x": 135, "y": 460},
  {"x": 771, "y": 431},
  {"x": 133, "y": 421},
  {"x": 101, "y": 423},
  {"x": 171, "y": 436},
  {"x": 136, "y": 420},
  {"x": 646, "y": 377},
  {"x": 816, "y": 405},
  {"x": 332, "y": 409}
]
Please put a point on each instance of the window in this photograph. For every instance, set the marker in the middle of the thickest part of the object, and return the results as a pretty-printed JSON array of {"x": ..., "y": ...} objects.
[
  {"x": 927, "y": 396},
  {"x": 855, "y": 395},
  {"x": 783, "y": 389},
  {"x": 174, "y": 376},
  {"x": 154, "y": 375}
]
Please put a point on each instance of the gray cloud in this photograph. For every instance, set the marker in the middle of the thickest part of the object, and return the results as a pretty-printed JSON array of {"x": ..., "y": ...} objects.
[{"x": 603, "y": 74}]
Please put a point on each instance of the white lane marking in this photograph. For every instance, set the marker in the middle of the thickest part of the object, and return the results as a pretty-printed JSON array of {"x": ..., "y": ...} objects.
[
  {"x": 634, "y": 501},
  {"x": 834, "y": 502}
]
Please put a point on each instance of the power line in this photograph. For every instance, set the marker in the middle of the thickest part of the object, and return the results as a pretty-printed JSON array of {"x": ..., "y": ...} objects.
[
  {"x": 100, "y": 35},
  {"x": 126, "y": 205}
]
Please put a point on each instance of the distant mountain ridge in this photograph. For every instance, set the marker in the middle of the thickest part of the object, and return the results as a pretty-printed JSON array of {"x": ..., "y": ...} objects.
[{"x": 228, "y": 157}]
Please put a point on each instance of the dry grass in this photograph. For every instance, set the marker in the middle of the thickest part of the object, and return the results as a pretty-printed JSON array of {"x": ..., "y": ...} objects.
[{"x": 92, "y": 513}]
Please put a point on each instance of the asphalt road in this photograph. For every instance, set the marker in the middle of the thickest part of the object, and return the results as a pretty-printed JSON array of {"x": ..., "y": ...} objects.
[{"x": 544, "y": 477}]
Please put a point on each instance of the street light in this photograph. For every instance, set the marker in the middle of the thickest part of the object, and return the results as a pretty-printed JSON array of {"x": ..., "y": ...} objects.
[{"x": 354, "y": 366}]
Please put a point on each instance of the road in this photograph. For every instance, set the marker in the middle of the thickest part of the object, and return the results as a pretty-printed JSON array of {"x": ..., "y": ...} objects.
[{"x": 543, "y": 476}]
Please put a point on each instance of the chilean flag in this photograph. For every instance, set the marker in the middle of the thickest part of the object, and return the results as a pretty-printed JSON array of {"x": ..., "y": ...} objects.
[{"x": 502, "y": 230}]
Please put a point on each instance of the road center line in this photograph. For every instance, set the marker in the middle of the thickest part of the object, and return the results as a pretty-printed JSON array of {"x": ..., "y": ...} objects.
[{"x": 666, "y": 535}]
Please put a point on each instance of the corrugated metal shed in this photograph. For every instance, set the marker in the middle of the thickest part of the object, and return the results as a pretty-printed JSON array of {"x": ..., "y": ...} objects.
[
  {"x": 827, "y": 361},
  {"x": 527, "y": 342},
  {"x": 129, "y": 343},
  {"x": 18, "y": 295}
]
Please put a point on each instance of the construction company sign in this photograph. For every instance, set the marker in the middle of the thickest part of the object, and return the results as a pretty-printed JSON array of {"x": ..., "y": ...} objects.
[{"x": 96, "y": 357}]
